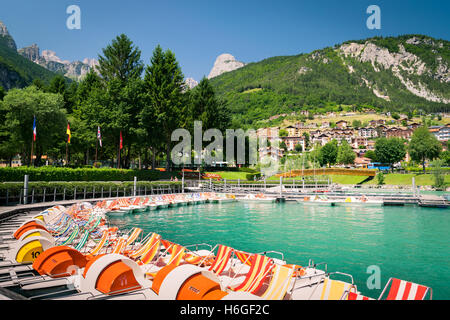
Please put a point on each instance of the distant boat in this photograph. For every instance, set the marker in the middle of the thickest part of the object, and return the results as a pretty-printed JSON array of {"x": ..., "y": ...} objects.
[
  {"x": 358, "y": 201},
  {"x": 317, "y": 200},
  {"x": 258, "y": 198}
]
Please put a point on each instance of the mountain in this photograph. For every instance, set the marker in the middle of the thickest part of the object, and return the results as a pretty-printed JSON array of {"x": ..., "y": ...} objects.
[
  {"x": 224, "y": 63},
  {"x": 8, "y": 40},
  {"x": 15, "y": 70},
  {"x": 49, "y": 60},
  {"x": 404, "y": 73},
  {"x": 191, "y": 83}
]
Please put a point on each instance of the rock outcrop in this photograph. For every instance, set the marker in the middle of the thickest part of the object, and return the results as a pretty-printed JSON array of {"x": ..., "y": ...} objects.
[
  {"x": 401, "y": 63},
  {"x": 49, "y": 60},
  {"x": 5, "y": 35},
  {"x": 224, "y": 63},
  {"x": 190, "y": 83}
]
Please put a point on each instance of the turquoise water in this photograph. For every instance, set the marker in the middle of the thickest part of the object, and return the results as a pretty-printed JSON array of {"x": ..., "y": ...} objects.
[{"x": 410, "y": 243}]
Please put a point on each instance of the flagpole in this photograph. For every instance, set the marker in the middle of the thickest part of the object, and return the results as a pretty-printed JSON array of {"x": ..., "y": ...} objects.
[
  {"x": 31, "y": 157},
  {"x": 67, "y": 152},
  {"x": 118, "y": 162},
  {"x": 96, "y": 147},
  {"x": 32, "y": 140}
]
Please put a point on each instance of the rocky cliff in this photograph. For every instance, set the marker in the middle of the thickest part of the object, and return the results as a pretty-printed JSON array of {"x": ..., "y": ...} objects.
[
  {"x": 7, "y": 37},
  {"x": 49, "y": 60},
  {"x": 224, "y": 63},
  {"x": 403, "y": 73}
]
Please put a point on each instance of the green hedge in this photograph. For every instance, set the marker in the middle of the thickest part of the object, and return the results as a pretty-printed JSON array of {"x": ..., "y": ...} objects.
[
  {"x": 8, "y": 174},
  {"x": 251, "y": 176},
  {"x": 427, "y": 169}
]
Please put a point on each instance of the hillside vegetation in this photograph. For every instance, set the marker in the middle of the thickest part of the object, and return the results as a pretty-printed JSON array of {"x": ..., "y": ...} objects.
[
  {"x": 17, "y": 71},
  {"x": 328, "y": 78}
]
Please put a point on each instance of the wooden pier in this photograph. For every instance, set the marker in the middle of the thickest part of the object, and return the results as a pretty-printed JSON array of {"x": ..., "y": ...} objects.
[
  {"x": 432, "y": 201},
  {"x": 292, "y": 192}
]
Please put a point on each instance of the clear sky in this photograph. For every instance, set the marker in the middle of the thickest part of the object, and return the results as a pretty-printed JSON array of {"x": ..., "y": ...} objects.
[{"x": 197, "y": 31}]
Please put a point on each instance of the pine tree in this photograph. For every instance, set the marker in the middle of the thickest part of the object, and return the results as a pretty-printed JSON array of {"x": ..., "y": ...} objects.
[
  {"x": 121, "y": 60},
  {"x": 164, "y": 86}
]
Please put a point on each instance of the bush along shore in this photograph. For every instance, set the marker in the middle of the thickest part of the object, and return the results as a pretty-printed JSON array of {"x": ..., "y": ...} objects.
[{"x": 15, "y": 174}]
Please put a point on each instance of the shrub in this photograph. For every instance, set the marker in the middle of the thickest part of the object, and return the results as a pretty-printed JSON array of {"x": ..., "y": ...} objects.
[
  {"x": 251, "y": 176},
  {"x": 380, "y": 178},
  {"x": 9, "y": 174}
]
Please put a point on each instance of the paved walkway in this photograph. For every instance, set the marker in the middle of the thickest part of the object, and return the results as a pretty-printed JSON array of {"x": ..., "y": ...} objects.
[{"x": 8, "y": 210}]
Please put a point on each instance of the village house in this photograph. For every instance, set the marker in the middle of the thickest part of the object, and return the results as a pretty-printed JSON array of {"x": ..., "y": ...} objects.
[
  {"x": 368, "y": 132},
  {"x": 442, "y": 133},
  {"x": 272, "y": 152},
  {"x": 292, "y": 131},
  {"x": 359, "y": 141},
  {"x": 292, "y": 141},
  {"x": 414, "y": 125},
  {"x": 362, "y": 162},
  {"x": 374, "y": 123},
  {"x": 268, "y": 133},
  {"x": 399, "y": 133},
  {"x": 341, "y": 124}
]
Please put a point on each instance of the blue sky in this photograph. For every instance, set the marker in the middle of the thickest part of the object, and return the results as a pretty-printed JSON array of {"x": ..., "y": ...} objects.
[{"x": 197, "y": 31}]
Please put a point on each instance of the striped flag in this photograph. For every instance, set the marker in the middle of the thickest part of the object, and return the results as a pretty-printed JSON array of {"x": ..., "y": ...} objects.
[
  {"x": 121, "y": 141},
  {"x": 34, "y": 129},
  {"x": 68, "y": 132},
  {"x": 99, "y": 136}
]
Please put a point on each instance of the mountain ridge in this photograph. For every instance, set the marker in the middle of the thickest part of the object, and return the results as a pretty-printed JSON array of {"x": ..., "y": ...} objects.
[{"x": 403, "y": 73}]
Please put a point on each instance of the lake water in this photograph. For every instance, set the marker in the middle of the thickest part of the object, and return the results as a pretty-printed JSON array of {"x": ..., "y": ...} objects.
[{"x": 409, "y": 243}]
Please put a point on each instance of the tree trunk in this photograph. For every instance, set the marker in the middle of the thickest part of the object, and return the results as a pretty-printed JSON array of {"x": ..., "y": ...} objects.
[
  {"x": 127, "y": 158},
  {"x": 153, "y": 158},
  {"x": 168, "y": 166},
  {"x": 423, "y": 165}
]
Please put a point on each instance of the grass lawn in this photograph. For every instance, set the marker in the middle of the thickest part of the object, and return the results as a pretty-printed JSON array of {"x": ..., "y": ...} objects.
[
  {"x": 406, "y": 179},
  {"x": 341, "y": 179},
  {"x": 390, "y": 178},
  {"x": 334, "y": 178},
  {"x": 231, "y": 175}
]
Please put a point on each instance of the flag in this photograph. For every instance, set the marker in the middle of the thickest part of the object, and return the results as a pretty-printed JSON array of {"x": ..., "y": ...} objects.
[
  {"x": 68, "y": 132},
  {"x": 99, "y": 136},
  {"x": 121, "y": 141},
  {"x": 34, "y": 129}
]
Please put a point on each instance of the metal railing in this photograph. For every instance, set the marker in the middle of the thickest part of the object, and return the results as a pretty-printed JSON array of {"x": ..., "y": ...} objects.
[{"x": 11, "y": 197}]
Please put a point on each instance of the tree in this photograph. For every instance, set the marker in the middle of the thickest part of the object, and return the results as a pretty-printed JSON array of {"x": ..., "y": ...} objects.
[
  {"x": 19, "y": 106},
  {"x": 439, "y": 176},
  {"x": 38, "y": 83},
  {"x": 164, "y": 86},
  {"x": 2, "y": 93},
  {"x": 445, "y": 156},
  {"x": 283, "y": 133},
  {"x": 121, "y": 60},
  {"x": 371, "y": 155},
  {"x": 390, "y": 150},
  {"x": 57, "y": 85},
  {"x": 298, "y": 147},
  {"x": 307, "y": 140},
  {"x": 205, "y": 107},
  {"x": 345, "y": 153},
  {"x": 356, "y": 124},
  {"x": 115, "y": 104},
  {"x": 380, "y": 178},
  {"x": 424, "y": 146},
  {"x": 328, "y": 153}
]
